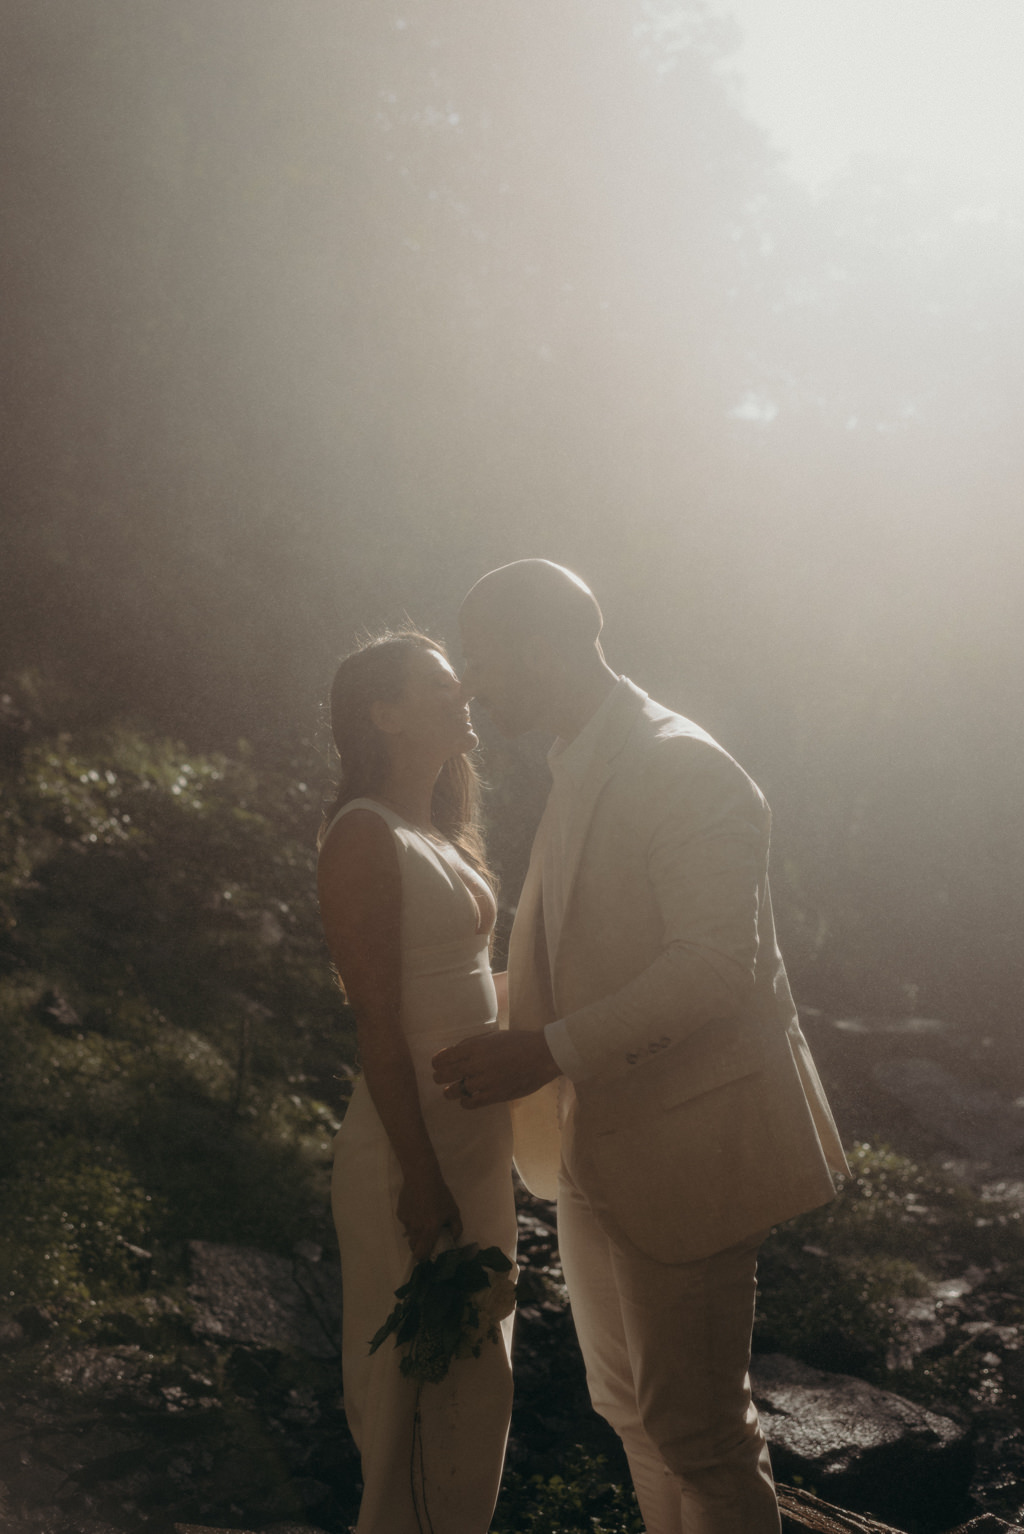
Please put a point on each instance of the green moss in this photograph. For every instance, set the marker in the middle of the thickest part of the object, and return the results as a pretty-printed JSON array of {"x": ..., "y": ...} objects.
[
  {"x": 71, "y": 1220},
  {"x": 169, "y": 899}
]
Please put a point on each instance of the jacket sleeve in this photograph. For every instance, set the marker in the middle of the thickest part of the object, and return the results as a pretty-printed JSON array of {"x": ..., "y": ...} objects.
[{"x": 706, "y": 863}]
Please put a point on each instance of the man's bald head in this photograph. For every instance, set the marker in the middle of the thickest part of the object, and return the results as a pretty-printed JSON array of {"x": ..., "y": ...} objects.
[
  {"x": 534, "y": 597},
  {"x": 531, "y": 640}
]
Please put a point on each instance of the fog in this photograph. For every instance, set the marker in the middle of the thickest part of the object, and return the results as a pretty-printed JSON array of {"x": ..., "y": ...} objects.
[
  {"x": 315, "y": 311},
  {"x": 928, "y": 82}
]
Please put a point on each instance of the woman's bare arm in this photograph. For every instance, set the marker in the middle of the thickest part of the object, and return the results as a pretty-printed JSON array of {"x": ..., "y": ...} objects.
[{"x": 360, "y": 893}]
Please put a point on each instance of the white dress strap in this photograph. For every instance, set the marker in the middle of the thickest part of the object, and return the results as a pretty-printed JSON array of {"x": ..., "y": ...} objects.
[{"x": 389, "y": 817}]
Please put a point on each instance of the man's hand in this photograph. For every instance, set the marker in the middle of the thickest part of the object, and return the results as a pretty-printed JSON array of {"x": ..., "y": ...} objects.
[{"x": 495, "y": 1069}]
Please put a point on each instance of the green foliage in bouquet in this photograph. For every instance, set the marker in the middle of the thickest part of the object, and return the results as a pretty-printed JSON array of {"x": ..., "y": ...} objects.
[{"x": 450, "y": 1306}]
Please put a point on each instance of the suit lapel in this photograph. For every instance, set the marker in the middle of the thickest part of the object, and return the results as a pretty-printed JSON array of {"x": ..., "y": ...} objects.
[
  {"x": 530, "y": 967},
  {"x": 529, "y": 974},
  {"x": 627, "y": 710},
  {"x": 583, "y": 808}
]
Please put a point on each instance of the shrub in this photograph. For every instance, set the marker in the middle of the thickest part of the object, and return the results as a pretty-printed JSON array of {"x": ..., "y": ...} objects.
[
  {"x": 171, "y": 1045},
  {"x": 71, "y": 1221},
  {"x": 580, "y": 1497},
  {"x": 830, "y": 1281}
]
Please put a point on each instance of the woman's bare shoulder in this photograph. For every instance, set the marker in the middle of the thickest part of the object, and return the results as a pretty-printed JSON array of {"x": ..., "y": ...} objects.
[
  {"x": 359, "y": 881},
  {"x": 358, "y": 838}
]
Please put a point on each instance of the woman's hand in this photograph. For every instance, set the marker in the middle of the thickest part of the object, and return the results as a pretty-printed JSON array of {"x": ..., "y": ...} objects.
[{"x": 425, "y": 1208}]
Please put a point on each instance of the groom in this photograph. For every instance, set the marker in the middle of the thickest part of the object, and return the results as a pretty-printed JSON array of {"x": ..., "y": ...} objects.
[{"x": 661, "y": 1086}]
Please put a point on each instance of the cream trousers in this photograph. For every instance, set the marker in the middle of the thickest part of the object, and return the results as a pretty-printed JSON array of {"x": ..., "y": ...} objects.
[{"x": 667, "y": 1352}]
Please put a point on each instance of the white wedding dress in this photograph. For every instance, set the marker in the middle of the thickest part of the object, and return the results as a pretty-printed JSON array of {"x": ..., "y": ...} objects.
[{"x": 447, "y": 994}]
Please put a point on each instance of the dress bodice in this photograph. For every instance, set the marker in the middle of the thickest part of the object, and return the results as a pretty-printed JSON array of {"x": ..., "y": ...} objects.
[{"x": 447, "y": 989}]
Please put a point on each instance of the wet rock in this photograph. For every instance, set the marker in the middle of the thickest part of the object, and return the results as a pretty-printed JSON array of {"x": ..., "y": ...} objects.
[
  {"x": 119, "y": 1436},
  {"x": 34, "y": 1485},
  {"x": 936, "y": 1321},
  {"x": 950, "y": 1291},
  {"x": 241, "y": 1294},
  {"x": 976, "y": 1120},
  {"x": 34, "y": 1322},
  {"x": 862, "y": 1447},
  {"x": 320, "y": 1282},
  {"x": 58, "y": 1014},
  {"x": 12, "y": 1334},
  {"x": 986, "y": 1524},
  {"x": 122, "y": 1328},
  {"x": 1013, "y": 1368},
  {"x": 121, "y": 1375},
  {"x": 921, "y": 1330}
]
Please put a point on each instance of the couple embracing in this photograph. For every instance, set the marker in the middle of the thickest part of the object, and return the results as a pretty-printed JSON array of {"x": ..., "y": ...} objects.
[{"x": 652, "y": 1075}]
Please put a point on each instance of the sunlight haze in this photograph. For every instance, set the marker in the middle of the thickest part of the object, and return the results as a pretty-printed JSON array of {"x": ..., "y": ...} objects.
[{"x": 937, "y": 83}]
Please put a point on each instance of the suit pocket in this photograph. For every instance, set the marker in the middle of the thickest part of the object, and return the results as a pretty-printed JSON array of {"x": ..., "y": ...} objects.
[
  {"x": 724, "y": 1050},
  {"x": 721, "y": 1052}
]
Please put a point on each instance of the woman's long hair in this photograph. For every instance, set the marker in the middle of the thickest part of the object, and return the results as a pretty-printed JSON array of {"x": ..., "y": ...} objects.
[{"x": 376, "y": 673}]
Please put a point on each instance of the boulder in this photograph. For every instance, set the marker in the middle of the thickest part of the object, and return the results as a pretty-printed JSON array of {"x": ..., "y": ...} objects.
[
  {"x": 923, "y": 1085},
  {"x": 861, "y": 1447},
  {"x": 921, "y": 1331},
  {"x": 976, "y": 1120},
  {"x": 241, "y": 1294}
]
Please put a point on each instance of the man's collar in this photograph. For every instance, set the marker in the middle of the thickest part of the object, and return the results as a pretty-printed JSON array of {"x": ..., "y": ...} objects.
[{"x": 571, "y": 759}]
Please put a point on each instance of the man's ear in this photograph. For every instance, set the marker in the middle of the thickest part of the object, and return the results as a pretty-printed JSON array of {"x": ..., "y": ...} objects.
[{"x": 384, "y": 716}]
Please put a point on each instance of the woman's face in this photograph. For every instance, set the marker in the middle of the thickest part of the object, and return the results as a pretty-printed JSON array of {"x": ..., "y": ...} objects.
[{"x": 432, "y": 714}]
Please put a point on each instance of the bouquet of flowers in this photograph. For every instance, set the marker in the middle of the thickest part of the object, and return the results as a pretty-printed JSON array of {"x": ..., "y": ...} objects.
[{"x": 449, "y": 1308}]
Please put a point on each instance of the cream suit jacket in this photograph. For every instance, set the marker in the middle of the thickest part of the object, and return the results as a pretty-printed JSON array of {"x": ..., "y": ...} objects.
[{"x": 699, "y": 1118}]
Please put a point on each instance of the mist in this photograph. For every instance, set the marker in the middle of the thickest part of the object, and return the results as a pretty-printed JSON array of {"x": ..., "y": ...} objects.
[{"x": 314, "y": 312}]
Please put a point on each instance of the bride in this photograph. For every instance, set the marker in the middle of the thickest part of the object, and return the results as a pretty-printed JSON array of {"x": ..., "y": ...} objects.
[{"x": 407, "y": 906}]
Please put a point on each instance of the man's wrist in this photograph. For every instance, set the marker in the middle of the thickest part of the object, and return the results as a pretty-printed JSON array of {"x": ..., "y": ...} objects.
[{"x": 563, "y": 1051}]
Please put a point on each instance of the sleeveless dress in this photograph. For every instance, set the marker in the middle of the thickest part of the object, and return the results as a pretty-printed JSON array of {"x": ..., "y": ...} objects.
[{"x": 447, "y": 994}]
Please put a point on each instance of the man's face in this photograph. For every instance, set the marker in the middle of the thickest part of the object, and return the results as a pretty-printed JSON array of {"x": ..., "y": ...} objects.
[{"x": 495, "y": 675}]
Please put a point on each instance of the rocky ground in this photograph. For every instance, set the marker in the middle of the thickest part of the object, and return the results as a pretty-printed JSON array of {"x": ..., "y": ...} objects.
[{"x": 216, "y": 1402}]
